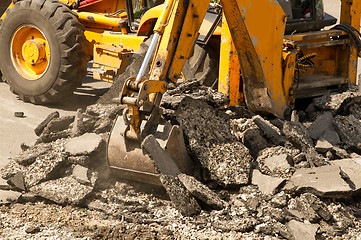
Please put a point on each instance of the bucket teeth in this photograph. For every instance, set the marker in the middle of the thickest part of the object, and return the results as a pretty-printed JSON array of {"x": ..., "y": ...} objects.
[{"x": 162, "y": 151}]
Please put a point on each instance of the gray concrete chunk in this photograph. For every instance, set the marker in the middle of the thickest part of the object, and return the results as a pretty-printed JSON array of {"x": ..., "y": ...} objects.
[
  {"x": 352, "y": 168},
  {"x": 17, "y": 181},
  {"x": 332, "y": 137},
  {"x": 324, "y": 181},
  {"x": 302, "y": 231},
  {"x": 85, "y": 144},
  {"x": 282, "y": 161},
  {"x": 80, "y": 173},
  {"x": 265, "y": 183},
  {"x": 201, "y": 191},
  {"x": 323, "y": 146},
  {"x": 63, "y": 191},
  {"x": 7, "y": 197},
  {"x": 4, "y": 184},
  {"x": 322, "y": 123}
]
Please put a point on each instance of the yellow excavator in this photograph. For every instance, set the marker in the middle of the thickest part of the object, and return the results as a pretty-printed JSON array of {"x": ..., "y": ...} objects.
[
  {"x": 259, "y": 65},
  {"x": 270, "y": 53}
]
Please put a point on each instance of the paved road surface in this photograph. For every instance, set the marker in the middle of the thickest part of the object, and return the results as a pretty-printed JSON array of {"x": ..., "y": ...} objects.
[{"x": 14, "y": 131}]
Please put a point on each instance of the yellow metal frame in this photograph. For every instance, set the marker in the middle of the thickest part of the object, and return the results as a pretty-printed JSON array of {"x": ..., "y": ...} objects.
[
  {"x": 229, "y": 82},
  {"x": 267, "y": 84},
  {"x": 350, "y": 14}
]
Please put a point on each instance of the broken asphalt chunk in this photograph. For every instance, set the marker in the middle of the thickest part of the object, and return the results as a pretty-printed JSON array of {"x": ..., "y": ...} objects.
[
  {"x": 84, "y": 144},
  {"x": 7, "y": 197},
  {"x": 39, "y": 129},
  {"x": 349, "y": 130},
  {"x": 302, "y": 231},
  {"x": 161, "y": 158},
  {"x": 47, "y": 166},
  {"x": 181, "y": 198},
  {"x": 63, "y": 191},
  {"x": 322, "y": 124},
  {"x": 282, "y": 161},
  {"x": 201, "y": 191},
  {"x": 80, "y": 173},
  {"x": 271, "y": 132},
  {"x": 77, "y": 124},
  {"x": 332, "y": 137},
  {"x": 308, "y": 207},
  {"x": 352, "y": 168},
  {"x": 337, "y": 102},
  {"x": 324, "y": 181},
  {"x": 227, "y": 160},
  {"x": 17, "y": 181},
  {"x": 266, "y": 184},
  {"x": 298, "y": 135},
  {"x": 58, "y": 124},
  {"x": 322, "y": 146}
]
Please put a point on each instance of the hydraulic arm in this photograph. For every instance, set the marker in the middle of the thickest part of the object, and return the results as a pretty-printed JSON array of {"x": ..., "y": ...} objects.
[
  {"x": 172, "y": 48},
  {"x": 257, "y": 57}
]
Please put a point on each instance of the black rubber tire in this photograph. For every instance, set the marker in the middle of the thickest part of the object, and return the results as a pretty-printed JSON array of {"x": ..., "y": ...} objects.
[
  {"x": 203, "y": 65},
  {"x": 65, "y": 36}
]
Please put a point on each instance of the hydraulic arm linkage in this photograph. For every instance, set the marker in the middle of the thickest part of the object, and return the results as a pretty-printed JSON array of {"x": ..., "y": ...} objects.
[{"x": 174, "y": 36}]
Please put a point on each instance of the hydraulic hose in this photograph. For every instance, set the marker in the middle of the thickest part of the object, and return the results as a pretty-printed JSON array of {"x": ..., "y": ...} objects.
[{"x": 354, "y": 33}]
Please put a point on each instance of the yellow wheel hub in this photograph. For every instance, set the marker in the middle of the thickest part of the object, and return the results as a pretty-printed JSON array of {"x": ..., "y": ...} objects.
[{"x": 30, "y": 52}]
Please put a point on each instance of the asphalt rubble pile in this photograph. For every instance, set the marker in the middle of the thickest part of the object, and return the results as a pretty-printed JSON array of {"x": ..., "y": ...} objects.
[{"x": 254, "y": 177}]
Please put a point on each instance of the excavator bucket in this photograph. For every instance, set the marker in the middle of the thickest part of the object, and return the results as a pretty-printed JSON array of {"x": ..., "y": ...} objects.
[{"x": 161, "y": 151}]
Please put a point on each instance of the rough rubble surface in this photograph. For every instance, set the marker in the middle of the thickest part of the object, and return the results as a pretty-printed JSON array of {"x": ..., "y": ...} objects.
[
  {"x": 54, "y": 190},
  {"x": 211, "y": 141},
  {"x": 349, "y": 129},
  {"x": 256, "y": 177}
]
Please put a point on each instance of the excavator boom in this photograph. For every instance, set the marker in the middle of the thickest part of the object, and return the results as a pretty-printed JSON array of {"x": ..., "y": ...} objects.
[{"x": 267, "y": 62}]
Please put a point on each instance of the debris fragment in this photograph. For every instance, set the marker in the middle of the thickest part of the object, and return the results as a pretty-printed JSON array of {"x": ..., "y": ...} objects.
[
  {"x": 84, "y": 145},
  {"x": 19, "y": 114},
  {"x": 39, "y": 129},
  {"x": 8, "y": 196},
  {"x": 219, "y": 152},
  {"x": 325, "y": 181},
  {"x": 180, "y": 196},
  {"x": 302, "y": 168},
  {"x": 301, "y": 231},
  {"x": 322, "y": 124},
  {"x": 266, "y": 184},
  {"x": 352, "y": 168},
  {"x": 63, "y": 191},
  {"x": 201, "y": 191}
]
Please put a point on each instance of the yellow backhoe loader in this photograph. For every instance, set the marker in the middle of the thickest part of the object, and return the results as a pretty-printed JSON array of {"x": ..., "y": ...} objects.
[
  {"x": 270, "y": 52},
  {"x": 259, "y": 65}
]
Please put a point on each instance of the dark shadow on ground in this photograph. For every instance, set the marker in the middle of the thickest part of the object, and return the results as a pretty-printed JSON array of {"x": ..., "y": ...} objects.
[{"x": 83, "y": 96}]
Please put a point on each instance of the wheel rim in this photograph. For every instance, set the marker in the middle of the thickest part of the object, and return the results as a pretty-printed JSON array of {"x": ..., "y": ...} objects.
[{"x": 30, "y": 53}]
